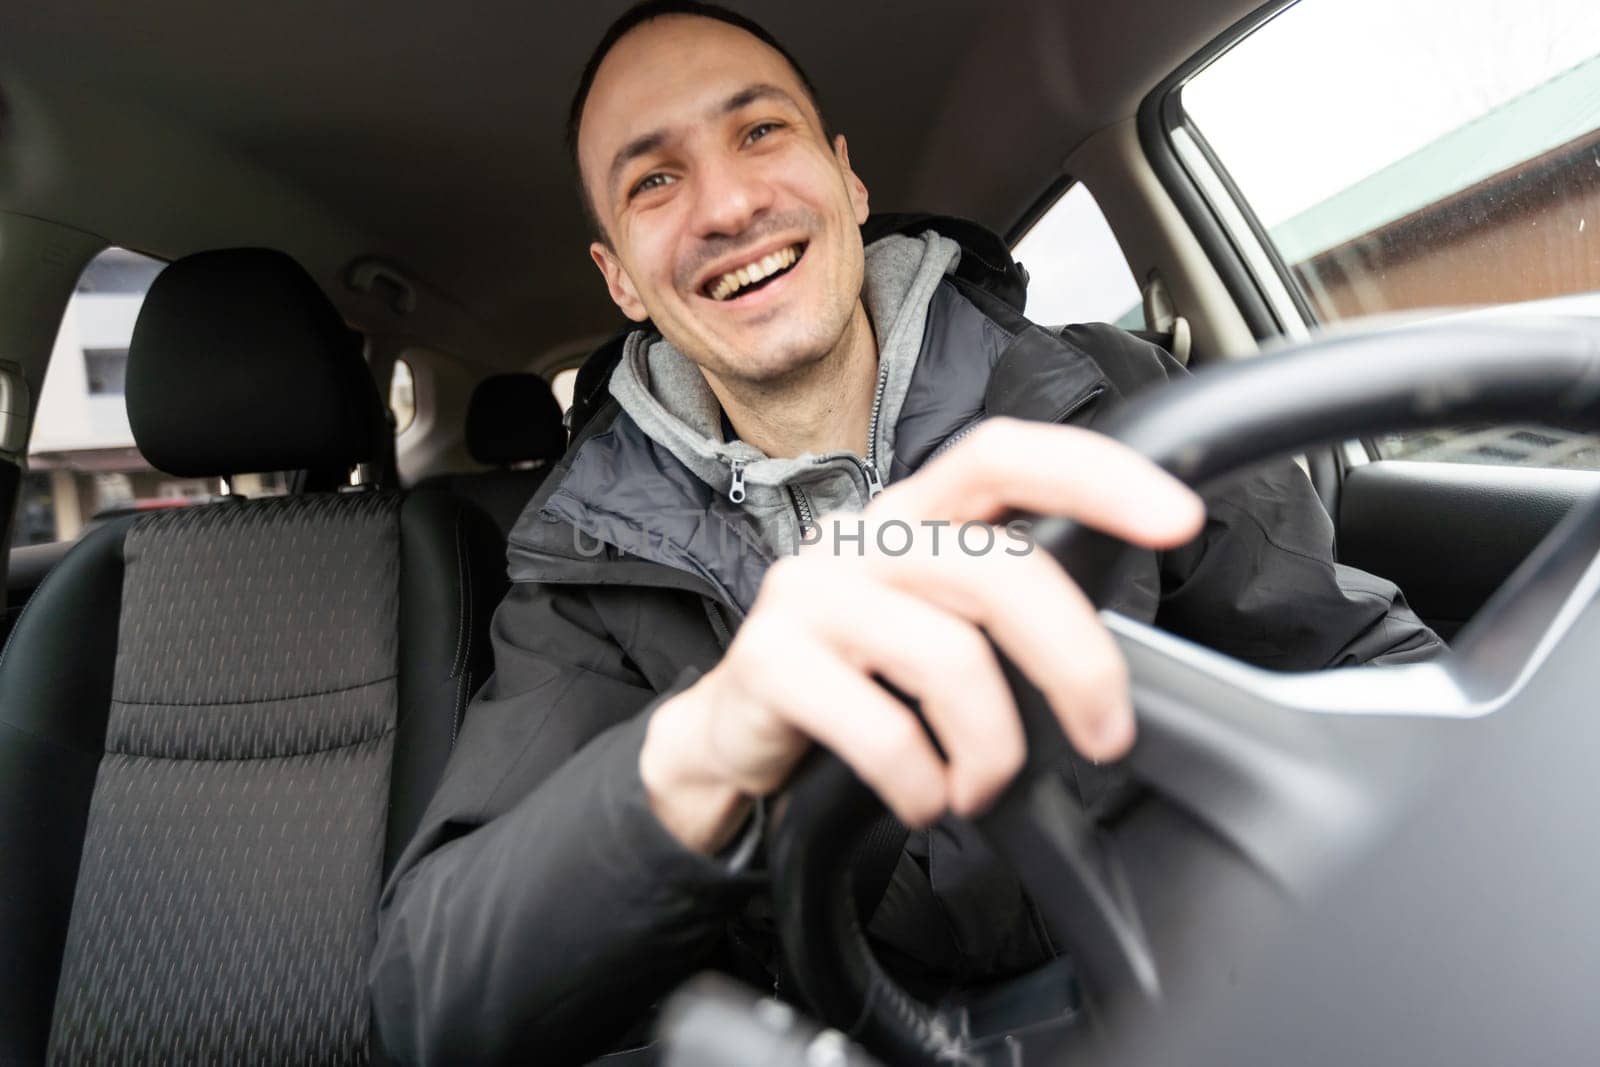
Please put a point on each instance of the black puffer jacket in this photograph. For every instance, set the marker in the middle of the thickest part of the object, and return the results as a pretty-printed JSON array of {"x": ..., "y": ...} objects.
[{"x": 542, "y": 909}]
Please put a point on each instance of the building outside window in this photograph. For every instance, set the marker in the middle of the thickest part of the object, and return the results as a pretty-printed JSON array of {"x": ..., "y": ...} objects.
[{"x": 106, "y": 370}]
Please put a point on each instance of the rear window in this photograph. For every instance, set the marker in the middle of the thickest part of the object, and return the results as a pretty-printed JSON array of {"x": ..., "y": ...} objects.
[
  {"x": 1076, "y": 269},
  {"x": 563, "y": 384},
  {"x": 82, "y": 462},
  {"x": 402, "y": 396}
]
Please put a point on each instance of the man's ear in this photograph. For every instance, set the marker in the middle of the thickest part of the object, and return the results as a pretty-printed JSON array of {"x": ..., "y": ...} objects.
[
  {"x": 853, "y": 184},
  {"x": 623, "y": 294}
]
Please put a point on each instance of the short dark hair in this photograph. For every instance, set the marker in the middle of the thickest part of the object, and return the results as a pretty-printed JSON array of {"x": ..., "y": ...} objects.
[{"x": 638, "y": 15}]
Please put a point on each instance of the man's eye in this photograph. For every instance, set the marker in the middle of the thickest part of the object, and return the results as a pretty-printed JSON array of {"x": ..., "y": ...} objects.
[
  {"x": 761, "y": 131},
  {"x": 651, "y": 181}
]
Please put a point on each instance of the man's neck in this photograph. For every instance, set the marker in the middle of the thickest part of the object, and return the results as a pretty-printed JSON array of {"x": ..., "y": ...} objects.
[{"x": 826, "y": 407}]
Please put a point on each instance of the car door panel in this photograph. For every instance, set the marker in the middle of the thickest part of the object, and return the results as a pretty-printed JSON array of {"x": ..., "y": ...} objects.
[{"x": 1450, "y": 533}]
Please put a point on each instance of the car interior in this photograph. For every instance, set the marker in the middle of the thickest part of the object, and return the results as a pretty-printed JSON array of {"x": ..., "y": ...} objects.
[{"x": 222, "y": 712}]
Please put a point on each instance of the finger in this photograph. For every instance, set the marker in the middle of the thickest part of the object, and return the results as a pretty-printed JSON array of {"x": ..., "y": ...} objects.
[
  {"x": 942, "y": 661},
  {"x": 1042, "y": 621},
  {"x": 1052, "y": 470},
  {"x": 878, "y": 736}
]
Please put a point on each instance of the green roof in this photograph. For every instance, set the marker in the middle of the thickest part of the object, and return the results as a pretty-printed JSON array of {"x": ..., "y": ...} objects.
[{"x": 1549, "y": 115}]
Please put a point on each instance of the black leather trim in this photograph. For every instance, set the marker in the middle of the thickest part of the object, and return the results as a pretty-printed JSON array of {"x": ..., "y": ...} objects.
[
  {"x": 29, "y": 566},
  {"x": 239, "y": 363},
  {"x": 55, "y": 695},
  {"x": 10, "y": 484},
  {"x": 502, "y": 494},
  {"x": 452, "y": 567},
  {"x": 513, "y": 418}
]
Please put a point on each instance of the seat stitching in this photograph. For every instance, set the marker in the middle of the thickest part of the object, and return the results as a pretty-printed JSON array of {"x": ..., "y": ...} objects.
[
  {"x": 259, "y": 700},
  {"x": 364, "y": 740},
  {"x": 49, "y": 574},
  {"x": 463, "y": 638},
  {"x": 46, "y": 739},
  {"x": 457, "y": 664}
]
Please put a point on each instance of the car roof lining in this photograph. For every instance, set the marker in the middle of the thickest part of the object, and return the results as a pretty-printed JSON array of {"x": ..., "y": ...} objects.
[{"x": 431, "y": 136}]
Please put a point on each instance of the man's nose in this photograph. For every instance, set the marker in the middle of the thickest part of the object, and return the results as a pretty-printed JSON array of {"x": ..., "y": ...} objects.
[{"x": 729, "y": 197}]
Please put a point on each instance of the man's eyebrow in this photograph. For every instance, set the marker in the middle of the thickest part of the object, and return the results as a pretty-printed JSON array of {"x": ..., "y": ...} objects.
[
  {"x": 646, "y": 143},
  {"x": 642, "y": 145},
  {"x": 750, "y": 95}
]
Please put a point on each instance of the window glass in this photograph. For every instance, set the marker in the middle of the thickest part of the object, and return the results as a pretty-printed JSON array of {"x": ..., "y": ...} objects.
[
  {"x": 116, "y": 271},
  {"x": 1077, "y": 272},
  {"x": 1420, "y": 156},
  {"x": 82, "y": 462},
  {"x": 562, "y": 385},
  {"x": 35, "y": 522},
  {"x": 402, "y": 396},
  {"x": 1521, "y": 446}
]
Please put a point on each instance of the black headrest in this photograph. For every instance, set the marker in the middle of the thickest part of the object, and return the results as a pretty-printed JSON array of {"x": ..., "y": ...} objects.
[
  {"x": 512, "y": 418},
  {"x": 239, "y": 363},
  {"x": 985, "y": 260}
]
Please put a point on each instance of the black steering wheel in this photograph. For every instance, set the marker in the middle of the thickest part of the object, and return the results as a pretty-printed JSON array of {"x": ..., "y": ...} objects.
[{"x": 1250, "y": 789}]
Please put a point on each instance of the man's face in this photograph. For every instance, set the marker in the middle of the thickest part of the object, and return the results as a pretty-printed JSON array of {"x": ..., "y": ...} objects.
[{"x": 705, "y": 158}]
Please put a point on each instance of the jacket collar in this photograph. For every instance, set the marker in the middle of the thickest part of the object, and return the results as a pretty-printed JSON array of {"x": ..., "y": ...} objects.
[
  {"x": 666, "y": 395},
  {"x": 620, "y": 509}
]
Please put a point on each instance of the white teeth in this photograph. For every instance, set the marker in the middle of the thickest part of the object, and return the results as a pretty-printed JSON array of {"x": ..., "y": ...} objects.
[{"x": 750, "y": 273}]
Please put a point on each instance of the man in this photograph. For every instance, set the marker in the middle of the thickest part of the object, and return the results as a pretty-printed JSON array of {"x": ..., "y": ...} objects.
[{"x": 700, "y": 589}]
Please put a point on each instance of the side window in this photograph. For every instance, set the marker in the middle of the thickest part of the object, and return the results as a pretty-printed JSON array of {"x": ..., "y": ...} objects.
[
  {"x": 402, "y": 396},
  {"x": 1077, "y": 272},
  {"x": 563, "y": 384},
  {"x": 1454, "y": 169},
  {"x": 82, "y": 462}
]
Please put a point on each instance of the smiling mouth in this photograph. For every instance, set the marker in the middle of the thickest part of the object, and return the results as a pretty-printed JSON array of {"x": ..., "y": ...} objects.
[{"x": 753, "y": 276}]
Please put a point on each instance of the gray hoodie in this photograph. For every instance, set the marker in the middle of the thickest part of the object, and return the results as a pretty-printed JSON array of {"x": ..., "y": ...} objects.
[{"x": 667, "y": 396}]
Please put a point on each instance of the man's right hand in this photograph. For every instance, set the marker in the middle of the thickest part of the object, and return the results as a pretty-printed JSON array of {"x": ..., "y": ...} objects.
[{"x": 825, "y": 622}]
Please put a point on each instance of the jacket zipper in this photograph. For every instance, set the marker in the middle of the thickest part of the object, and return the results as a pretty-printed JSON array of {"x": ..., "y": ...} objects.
[
  {"x": 719, "y": 622},
  {"x": 870, "y": 467},
  {"x": 955, "y": 438},
  {"x": 869, "y": 471},
  {"x": 802, "y": 506}
]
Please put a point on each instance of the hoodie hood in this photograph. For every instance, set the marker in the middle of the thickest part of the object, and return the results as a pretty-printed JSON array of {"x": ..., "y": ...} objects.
[{"x": 665, "y": 394}]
